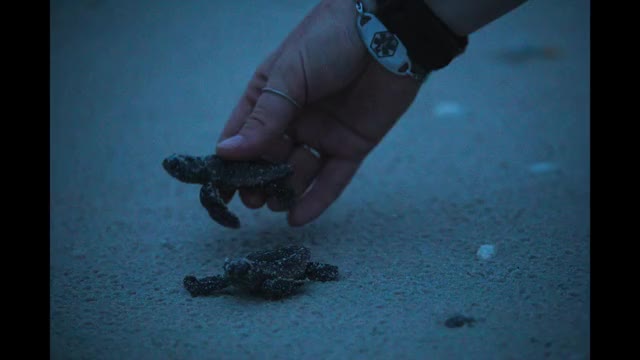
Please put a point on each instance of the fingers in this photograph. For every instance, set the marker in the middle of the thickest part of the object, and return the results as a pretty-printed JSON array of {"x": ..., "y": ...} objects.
[
  {"x": 252, "y": 199},
  {"x": 258, "y": 123},
  {"x": 249, "y": 98},
  {"x": 271, "y": 114},
  {"x": 330, "y": 135},
  {"x": 267, "y": 121},
  {"x": 331, "y": 181},
  {"x": 306, "y": 166},
  {"x": 278, "y": 151}
]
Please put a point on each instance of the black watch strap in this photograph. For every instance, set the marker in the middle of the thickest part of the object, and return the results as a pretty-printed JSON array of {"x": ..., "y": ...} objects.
[{"x": 429, "y": 42}]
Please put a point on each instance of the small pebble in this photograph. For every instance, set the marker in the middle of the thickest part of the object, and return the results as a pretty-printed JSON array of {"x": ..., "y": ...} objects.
[
  {"x": 457, "y": 321},
  {"x": 486, "y": 252}
]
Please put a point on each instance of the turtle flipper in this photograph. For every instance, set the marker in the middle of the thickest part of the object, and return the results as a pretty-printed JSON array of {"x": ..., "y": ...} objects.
[
  {"x": 279, "y": 288},
  {"x": 212, "y": 201},
  {"x": 193, "y": 169},
  {"x": 321, "y": 272},
  {"x": 217, "y": 176},
  {"x": 205, "y": 286}
]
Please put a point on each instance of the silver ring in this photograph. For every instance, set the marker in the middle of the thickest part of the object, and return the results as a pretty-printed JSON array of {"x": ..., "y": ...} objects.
[
  {"x": 313, "y": 151},
  {"x": 278, "y": 92}
]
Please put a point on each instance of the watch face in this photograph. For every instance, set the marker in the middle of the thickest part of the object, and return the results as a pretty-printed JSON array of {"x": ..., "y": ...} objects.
[{"x": 384, "y": 43}]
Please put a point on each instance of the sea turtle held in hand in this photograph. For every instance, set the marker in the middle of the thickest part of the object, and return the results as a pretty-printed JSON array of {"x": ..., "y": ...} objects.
[
  {"x": 272, "y": 274},
  {"x": 216, "y": 174}
]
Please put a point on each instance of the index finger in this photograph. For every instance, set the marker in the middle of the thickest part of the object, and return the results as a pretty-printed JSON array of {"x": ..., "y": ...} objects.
[{"x": 332, "y": 179}]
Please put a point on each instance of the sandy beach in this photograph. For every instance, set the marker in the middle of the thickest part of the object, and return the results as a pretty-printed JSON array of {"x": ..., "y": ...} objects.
[{"x": 494, "y": 151}]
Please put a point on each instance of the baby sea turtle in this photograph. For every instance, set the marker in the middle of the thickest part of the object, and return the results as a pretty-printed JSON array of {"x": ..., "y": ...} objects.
[
  {"x": 216, "y": 174},
  {"x": 272, "y": 274}
]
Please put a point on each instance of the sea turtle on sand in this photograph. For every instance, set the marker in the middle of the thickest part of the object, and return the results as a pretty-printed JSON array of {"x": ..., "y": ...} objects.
[
  {"x": 272, "y": 274},
  {"x": 216, "y": 174}
]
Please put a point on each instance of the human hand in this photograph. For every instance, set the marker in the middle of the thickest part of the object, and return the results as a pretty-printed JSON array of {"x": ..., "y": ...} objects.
[{"x": 348, "y": 103}]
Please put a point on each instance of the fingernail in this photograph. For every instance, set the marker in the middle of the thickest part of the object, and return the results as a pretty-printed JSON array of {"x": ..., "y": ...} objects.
[{"x": 232, "y": 142}]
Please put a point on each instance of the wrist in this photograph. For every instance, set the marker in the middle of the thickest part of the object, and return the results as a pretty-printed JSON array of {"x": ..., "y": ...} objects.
[
  {"x": 370, "y": 6},
  {"x": 464, "y": 17},
  {"x": 430, "y": 43}
]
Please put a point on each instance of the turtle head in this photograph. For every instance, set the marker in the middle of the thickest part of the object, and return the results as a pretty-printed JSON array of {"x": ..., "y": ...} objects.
[
  {"x": 189, "y": 169},
  {"x": 237, "y": 268}
]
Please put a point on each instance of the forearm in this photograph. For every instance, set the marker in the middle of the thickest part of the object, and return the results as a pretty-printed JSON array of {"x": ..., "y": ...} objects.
[
  {"x": 466, "y": 16},
  {"x": 463, "y": 16}
]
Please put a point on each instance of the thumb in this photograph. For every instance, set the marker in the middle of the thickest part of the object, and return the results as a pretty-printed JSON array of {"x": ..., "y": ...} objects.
[{"x": 275, "y": 108}]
